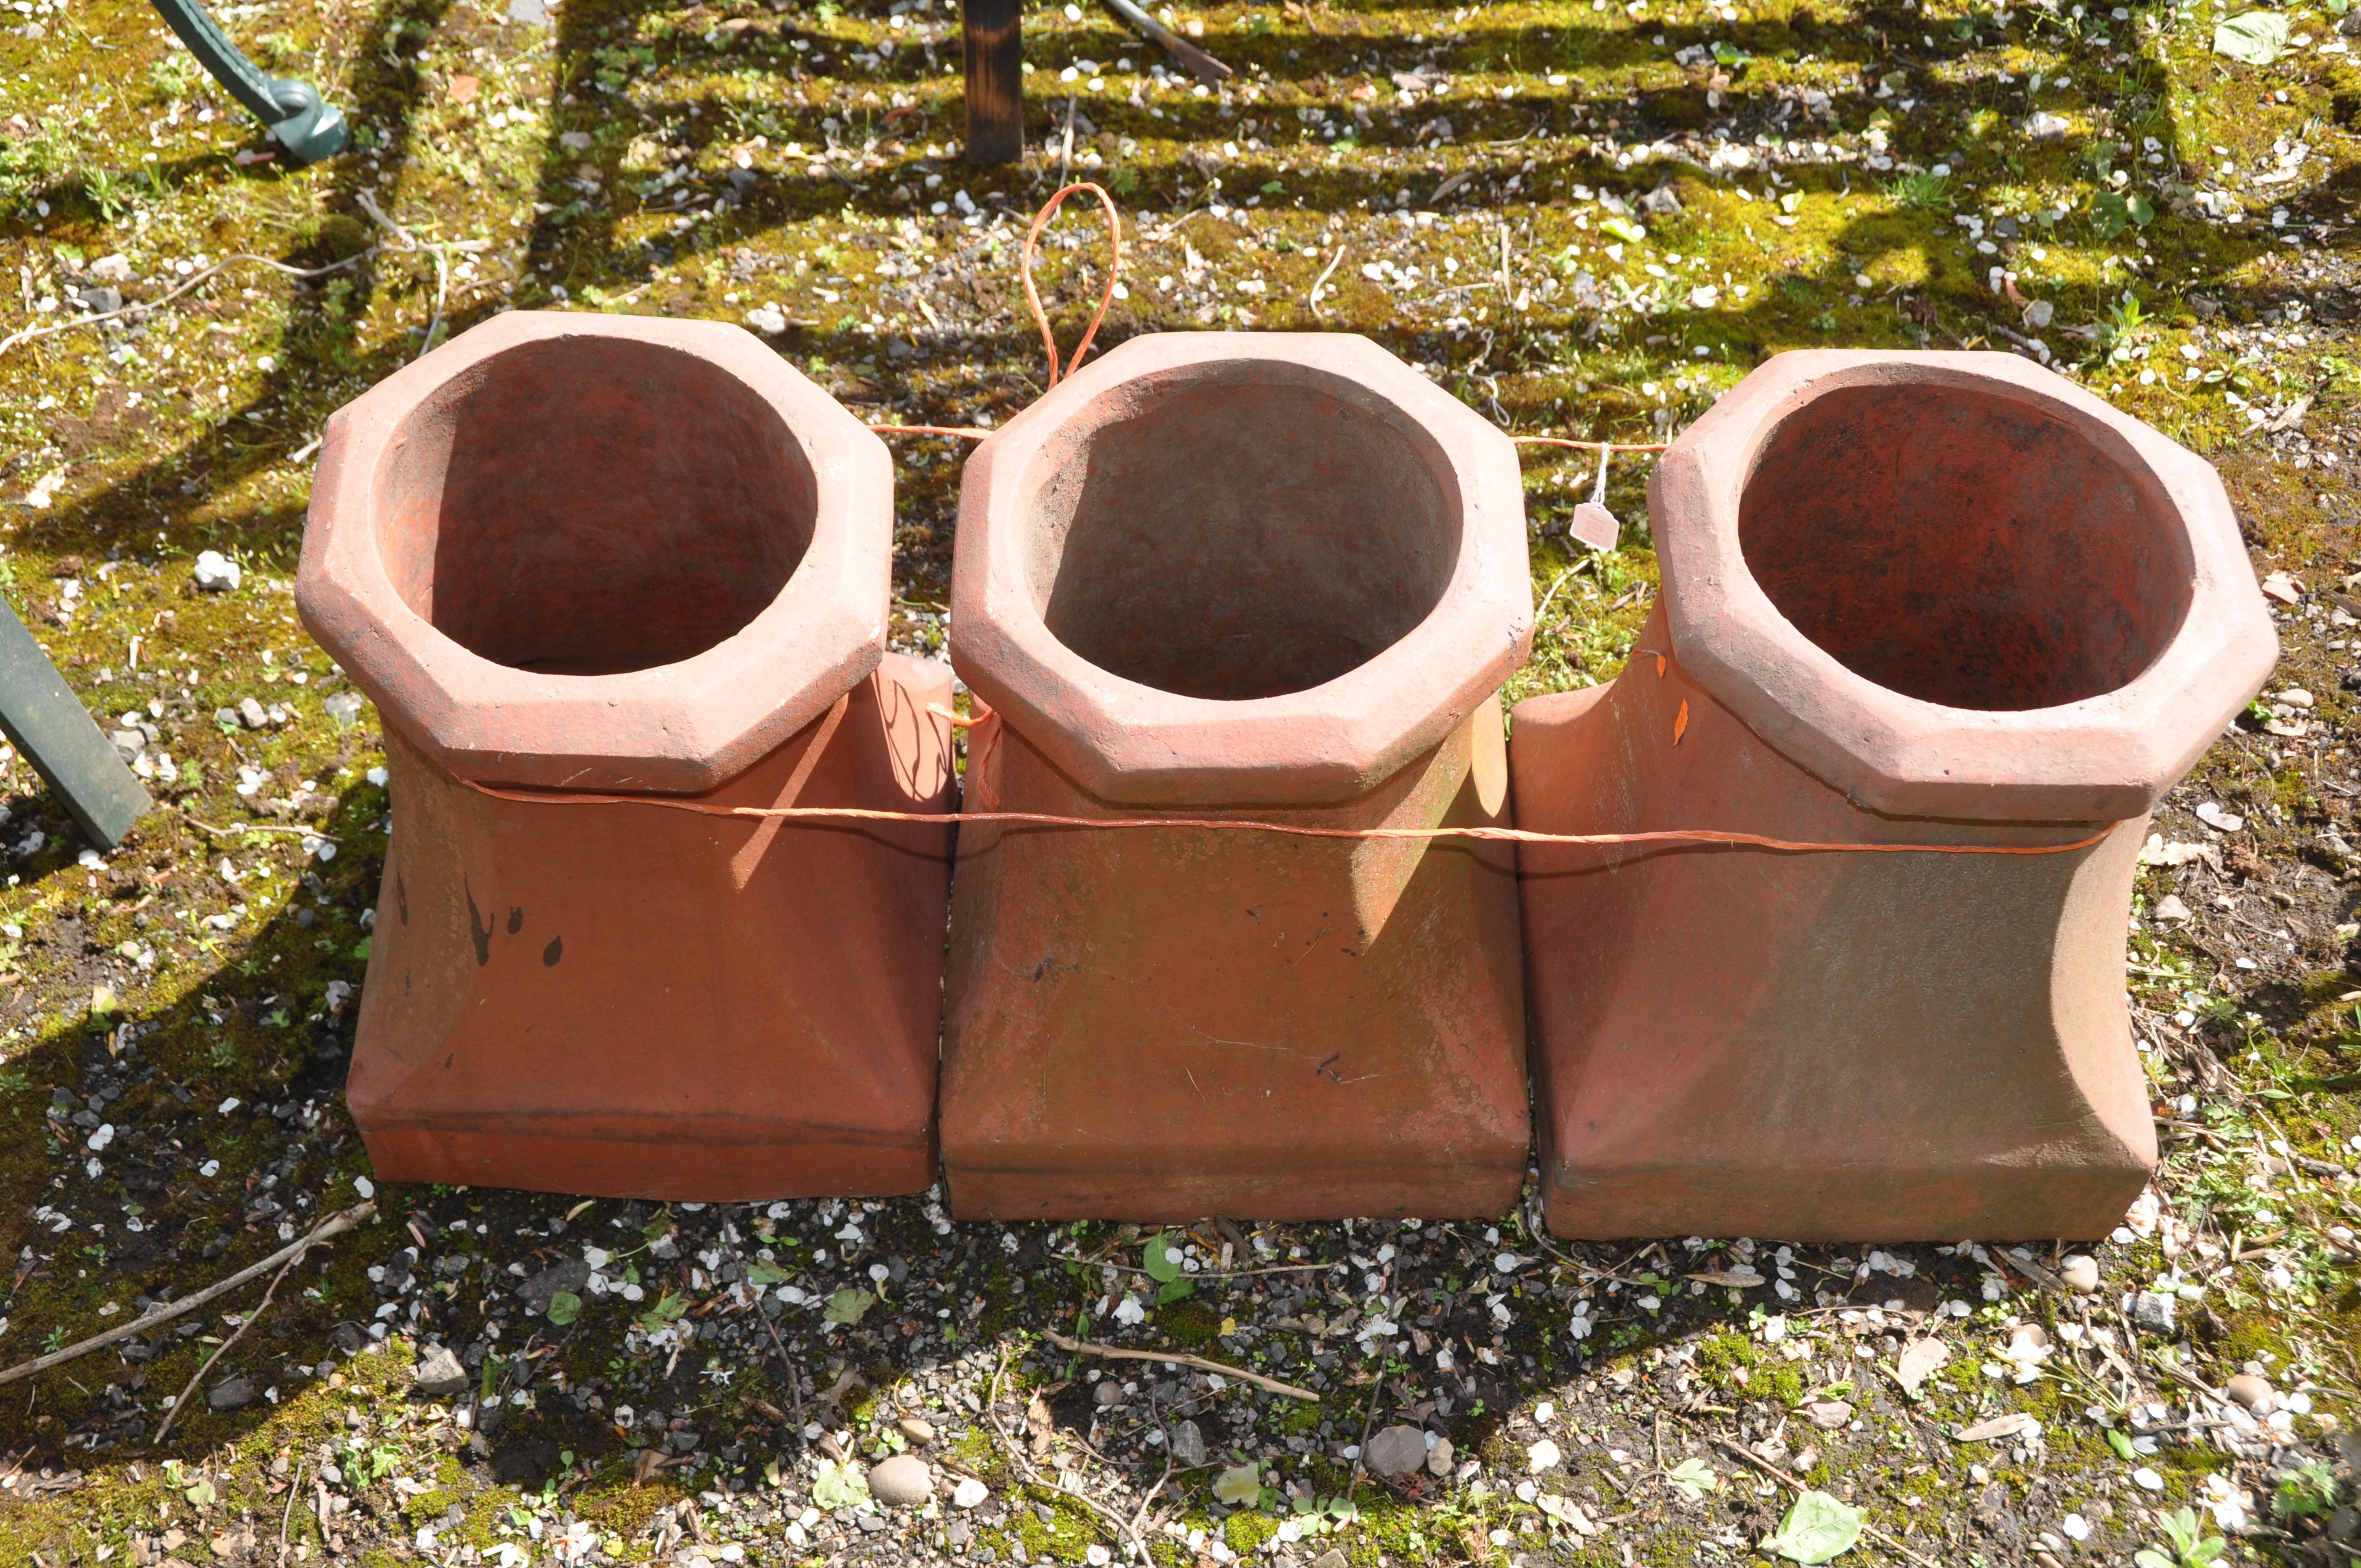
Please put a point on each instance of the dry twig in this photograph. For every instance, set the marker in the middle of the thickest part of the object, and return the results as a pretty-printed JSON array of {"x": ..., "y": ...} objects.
[
  {"x": 1116, "y": 1353},
  {"x": 1033, "y": 1474},
  {"x": 189, "y": 1389},
  {"x": 142, "y": 307},
  {"x": 334, "y": 1224}
]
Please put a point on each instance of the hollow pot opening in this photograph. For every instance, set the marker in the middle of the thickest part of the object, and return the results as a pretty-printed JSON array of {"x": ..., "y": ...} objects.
[
  {"x": 1965, "y": 547},
  {"x": 1239, "y": 529},
  {"x": 593, "y": 506}
]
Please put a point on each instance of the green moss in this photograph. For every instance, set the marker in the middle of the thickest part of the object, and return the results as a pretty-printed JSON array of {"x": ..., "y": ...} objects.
[
  {"x": 1248, "y": 1530},
  {"x": 1301, "y": 1418},
  {"x": 2254, "y": 1336},
  {"x": 1192, "y": 1322}
]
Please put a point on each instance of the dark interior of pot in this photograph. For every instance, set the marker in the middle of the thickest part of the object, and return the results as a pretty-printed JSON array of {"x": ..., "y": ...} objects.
[
  {"x": 1240, "y": 530},
  {"x": 1964, "y": 547},
  {"x": 586, "y": 506}
]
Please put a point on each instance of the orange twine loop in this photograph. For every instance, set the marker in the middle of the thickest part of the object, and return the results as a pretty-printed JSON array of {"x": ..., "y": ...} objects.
[
  {"x": 986, "y": 724},
  {"x": 1032, "y": 297}
]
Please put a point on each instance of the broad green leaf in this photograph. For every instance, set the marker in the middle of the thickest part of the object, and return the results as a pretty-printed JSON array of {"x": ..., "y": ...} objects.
[
  {"x": 1623, "y": 228},
  {"x": 564, "y": 1308},
  {"x": 1163, "y": 1259},
  {"x": 2141, "y": 211},
  {"x": 2121, "y": 1444},
  {"x": 2109, "y": 214},
  {"x": 1816, "y": 1530},
  {"x": 1693, "y": 1479},
  {"x": 2149, "y": 1557},
  {"x": 1174, "y": 1289},
  {"x": 840, "y": 1486},
  {"x": 1240, "y": 1485},
  {"x": 766, "y": 1274},
  {"x": 2257, "y": 38},
  {"x": 1727, "y": 54},
  {"x": 200, "y": 1496},
  {"x": 847, "y": 1306}
]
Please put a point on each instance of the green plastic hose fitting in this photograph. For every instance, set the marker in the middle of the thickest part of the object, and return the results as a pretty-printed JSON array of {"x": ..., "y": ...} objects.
[{"x": 308, "y": 128}]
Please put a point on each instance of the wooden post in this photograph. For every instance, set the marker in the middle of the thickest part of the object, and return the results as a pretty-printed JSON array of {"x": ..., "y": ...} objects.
[
  {"x": 995, "y": 81},
  {"x": 47, "y": 723}
]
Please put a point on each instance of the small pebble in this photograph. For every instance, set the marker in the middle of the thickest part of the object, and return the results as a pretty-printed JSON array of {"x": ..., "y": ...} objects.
[
  {"x": 917, "y": 1428},
  {"x": 1397, "y": 1451},
  {"x": 2249, "y": 1390},
  {"x": 1188, "y": 1444},
  {"x": 901, "y": 1482},
  {"x": 2080, "y": 1272},
  {"x": 439, "y": 1372}
]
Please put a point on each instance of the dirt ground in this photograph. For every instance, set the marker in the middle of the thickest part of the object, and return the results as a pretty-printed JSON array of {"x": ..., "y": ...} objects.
[{"x": 1581, "y": 219}]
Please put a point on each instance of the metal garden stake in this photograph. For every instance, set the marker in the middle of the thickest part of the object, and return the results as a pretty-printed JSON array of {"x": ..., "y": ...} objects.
[
  {"x": 50, "y": 725},
  {"x": 308, "y": 128}
]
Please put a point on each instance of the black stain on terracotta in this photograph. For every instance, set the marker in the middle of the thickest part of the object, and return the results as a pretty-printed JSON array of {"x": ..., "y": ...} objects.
[
  {"x": 402, "y": 897},
  {"x": 554, "y": 951},
  {"x": 480, "y": 933},
  {"x": 516, "y": 920}
]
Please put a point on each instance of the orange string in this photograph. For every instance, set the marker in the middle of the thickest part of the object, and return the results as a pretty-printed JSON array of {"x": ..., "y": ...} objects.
[
  {"x": 1589, "y": 445},
  {"x": 1041, "y": 315},
  {"x": 1233, "y": 824},
  {"x": 963, "y": 433},
  {"x": 1115, "y": 272},
  {"x": 1114, "y": 269}
]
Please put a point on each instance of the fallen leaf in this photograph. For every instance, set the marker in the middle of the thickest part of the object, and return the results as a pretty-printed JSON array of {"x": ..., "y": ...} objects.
[
  {"x": 464, "y": 89},
  {"x": 1681, "y": 723},
  {"x": 1242, "y": 1483},
  {"x": 840, "y": 1486},
  {"x": 1163, "y": 1259},
  {"x": 1920, "y": 1360},
  {"x": 847, "y": 1306},
  {"x": 1816, "y": 1530},
  {"x": 1735, "y": 1279},
  {"x": 2257, "y": 38},
  {"x": 2009, "y": 1425},
  {"x": 1693, "y": 1479}
]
